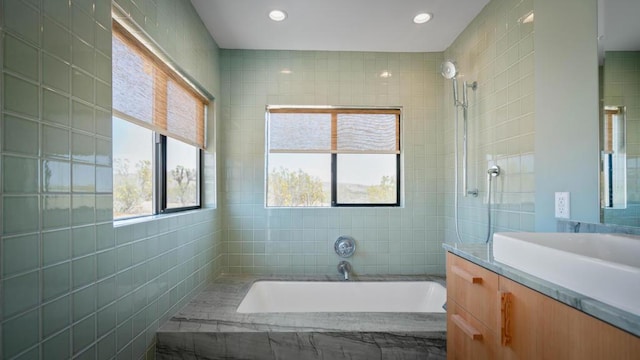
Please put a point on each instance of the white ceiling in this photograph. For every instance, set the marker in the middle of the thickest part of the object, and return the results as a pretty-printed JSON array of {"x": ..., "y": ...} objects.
[
  {"x": 619, "y": 28},
  {"x": 337, "y": 25}
]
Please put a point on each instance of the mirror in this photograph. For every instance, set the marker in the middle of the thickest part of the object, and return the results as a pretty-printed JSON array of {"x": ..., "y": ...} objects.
[{"x": 619, "y": 55}]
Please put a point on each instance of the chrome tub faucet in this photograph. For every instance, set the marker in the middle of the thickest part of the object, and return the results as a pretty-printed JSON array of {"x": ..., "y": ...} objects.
[{"x": 344, "y": 268}]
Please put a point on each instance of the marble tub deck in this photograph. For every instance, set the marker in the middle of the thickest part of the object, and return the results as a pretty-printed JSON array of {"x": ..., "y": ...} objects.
[{"x": 210, "y": 328}]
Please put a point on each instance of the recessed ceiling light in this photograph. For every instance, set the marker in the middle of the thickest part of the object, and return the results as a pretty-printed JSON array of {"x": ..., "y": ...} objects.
[
  {"x": 422, "y": 18},
  {"x": 385, "y": 74},
  {"x": 277, "y": 15}
]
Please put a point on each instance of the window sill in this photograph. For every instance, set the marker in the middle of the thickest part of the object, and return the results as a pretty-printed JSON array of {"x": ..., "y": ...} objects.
[{"x": 150, "y": 218}]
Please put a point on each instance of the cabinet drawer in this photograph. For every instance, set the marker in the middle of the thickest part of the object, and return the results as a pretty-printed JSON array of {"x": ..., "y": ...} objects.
[
  {"x": 475, "y": 289},
  {"x": 468, "y": 338}
]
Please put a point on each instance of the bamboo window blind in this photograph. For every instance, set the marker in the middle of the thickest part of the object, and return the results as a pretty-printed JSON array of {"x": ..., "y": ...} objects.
[
  {"x": 149, "y": 93},
  {"x": 334, "y": 130}
]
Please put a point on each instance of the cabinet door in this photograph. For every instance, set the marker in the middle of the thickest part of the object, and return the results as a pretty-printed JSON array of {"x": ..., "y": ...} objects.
[
  {"x": 543, "y": 328},
  {"x": 520, "y": 320},
  {"x": 468, "y": 338},
  {"x": 566, "y": 333},
  {"x": 474, "y": 288}
]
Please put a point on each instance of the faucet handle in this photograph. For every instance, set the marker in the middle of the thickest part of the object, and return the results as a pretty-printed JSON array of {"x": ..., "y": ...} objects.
[{"x": 345, "y": 246}]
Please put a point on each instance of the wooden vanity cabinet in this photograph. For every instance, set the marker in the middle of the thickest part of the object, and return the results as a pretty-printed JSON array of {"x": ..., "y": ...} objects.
[
  {"x": 472, "y": 310},
  {"x": 526, "y": 324}
]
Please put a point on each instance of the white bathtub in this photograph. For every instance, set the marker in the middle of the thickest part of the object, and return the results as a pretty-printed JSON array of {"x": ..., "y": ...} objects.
[{"x": 347, "y": 296}]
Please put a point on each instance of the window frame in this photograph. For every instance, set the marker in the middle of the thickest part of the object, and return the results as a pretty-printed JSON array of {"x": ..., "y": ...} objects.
[
  {"x": 160, "y": 183},
  {"x": 334, "y": 187},
  {"x": 159, "y": 146},
  {"x": 334, "y": 155}
]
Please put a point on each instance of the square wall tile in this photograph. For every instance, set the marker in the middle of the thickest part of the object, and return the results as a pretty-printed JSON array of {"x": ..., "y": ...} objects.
[
  {"x": 55, "y": 107},
  {"x": 20, "y": 333},
  {"x": 56, "y": 176},
  {"x": 57, "y": 347},
  {"x": 105, "y": 236},
  {"x": 82, "y": 116},
  {"x": 84, "y": 302},
  {"x": 106, "y": 292},
  {"x": 124, "y": 282},
  {"x": 84, "y": 333},
  {"x": 56, "y": 315},
  {"x": 20, "y": 57},
  {"x": 83, "y": 178},
  {"x": 21, "y": 293},
  {"x": 103, "y": 94},
  {"x": 103, "y": 123},
  {"x": 82, "y": 23},
  {"x": 56, "y": 73},
  {"x": 106, "y": 320},
  {"x": 22, "y": 19},
  {"x": 19, "y": 175},
  {"x": 82, "y": 85},
  {"x": 104, "y": 179},
  {"x": 103, "y": 152},
  {"x": 125, "y": 308},
  {"x": 124, "y": 256},
  {"x": 55, "y": 142},
  {"x": 104, "y": 208},
  {"x": 20, "y": 96},
  {"x": 82, "y": 55},
  {"x": 55, "y": 211},
  {"x": 56, "y": 246},
  {"x": 106, "y": 263},
  {"x": 124, "y": 334},
  {"x": 103, "y": 68},
  {"x": 103, "y": 39},
  {"x": 56, "y": 40},
  {"x": 20, "y": 136},
  {"x": 107, "y": 347},
  {"x": 20, "y": 254},
  {"x": 20, "y": 214},
  {"x": 56, "y": 280},
  {"x": 58, "y": 10},
  {"x": 83, "y": 240},
  {"x": 83, "y": 271},
  {"x": 83, "y": 148}
]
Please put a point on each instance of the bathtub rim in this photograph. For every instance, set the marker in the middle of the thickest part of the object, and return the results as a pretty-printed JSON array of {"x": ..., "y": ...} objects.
[
  {"x": 260, "y": 287},
  {"x": 218, "y": 314}
]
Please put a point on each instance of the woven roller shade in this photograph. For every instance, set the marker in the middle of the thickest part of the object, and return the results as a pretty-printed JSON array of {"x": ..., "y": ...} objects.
[
  {"x": 149, "y": 93},
  {"x": 290, "y": 132},
  {"x": 367, "y": 133},
  {"x": 342, "y": 131}
]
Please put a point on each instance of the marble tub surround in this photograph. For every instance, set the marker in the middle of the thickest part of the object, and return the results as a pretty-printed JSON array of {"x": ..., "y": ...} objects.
[
  {"x": 482, "y": 255},
  {"x": 209, "y": 328}
]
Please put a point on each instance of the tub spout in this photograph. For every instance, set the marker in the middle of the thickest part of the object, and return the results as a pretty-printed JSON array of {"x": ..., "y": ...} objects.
[{"x": 344, "y": 268}]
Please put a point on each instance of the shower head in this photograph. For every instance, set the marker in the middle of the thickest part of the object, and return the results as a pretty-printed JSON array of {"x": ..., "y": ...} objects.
[{"x": 448, "y": 69}]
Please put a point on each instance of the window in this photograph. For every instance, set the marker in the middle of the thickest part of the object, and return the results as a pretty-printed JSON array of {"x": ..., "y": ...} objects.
[
  {"x": 321, "y": 157},
  {"x": 158, "y": 133}
]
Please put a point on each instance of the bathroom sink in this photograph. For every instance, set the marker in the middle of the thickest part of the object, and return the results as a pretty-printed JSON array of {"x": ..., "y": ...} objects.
[{"x": 605, "y": 267}]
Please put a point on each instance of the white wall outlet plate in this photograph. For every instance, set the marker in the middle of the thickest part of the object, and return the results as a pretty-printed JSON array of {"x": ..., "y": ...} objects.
[{"x": 563, "y": 205}]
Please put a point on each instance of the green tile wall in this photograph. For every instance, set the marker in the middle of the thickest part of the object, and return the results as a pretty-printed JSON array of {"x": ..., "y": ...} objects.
[
  {"x": 73, "y": 285},
  {"x": 497, "y": 51},
  {"x": 403, "y": 240}
]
